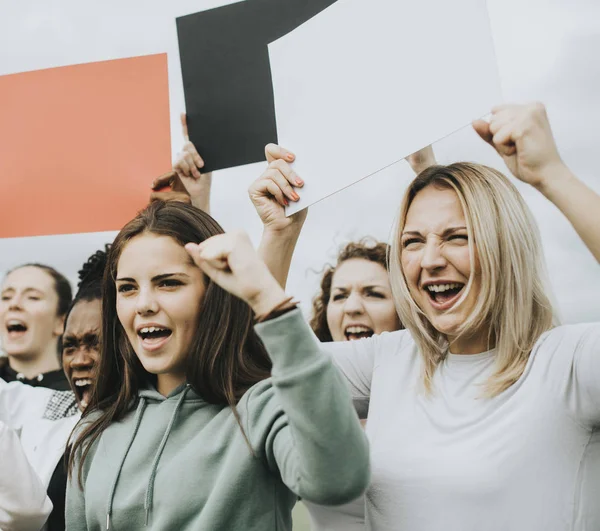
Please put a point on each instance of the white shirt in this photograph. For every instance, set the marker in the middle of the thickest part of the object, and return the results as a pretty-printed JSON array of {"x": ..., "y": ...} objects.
[
  {"x": 38, "y": 415},
  {"x": 23, "y": 501},
  {"x": 525, "y": 460}
]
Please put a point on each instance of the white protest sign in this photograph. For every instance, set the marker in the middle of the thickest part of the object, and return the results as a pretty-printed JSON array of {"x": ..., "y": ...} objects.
[{"x": 366, "y": 83}]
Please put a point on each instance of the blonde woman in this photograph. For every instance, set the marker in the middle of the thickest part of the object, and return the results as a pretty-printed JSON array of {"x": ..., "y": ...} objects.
[{"x": 484, "y": 414}]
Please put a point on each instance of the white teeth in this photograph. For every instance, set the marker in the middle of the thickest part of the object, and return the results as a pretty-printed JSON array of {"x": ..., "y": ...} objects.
[
  {"x": 82, "y": 383},
  {"x": 15, "y": 322},
  {"x": 150, "y": 329},
  {"x": 437, "y": 288},
  {"x": 357, "y": 330}
]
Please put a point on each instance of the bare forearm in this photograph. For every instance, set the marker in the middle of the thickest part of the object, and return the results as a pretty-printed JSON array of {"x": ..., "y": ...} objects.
[
  {"x": 578, "y": 202},
  {"x": 201, "y": 198},
  {"x": 277, "y": 249}
]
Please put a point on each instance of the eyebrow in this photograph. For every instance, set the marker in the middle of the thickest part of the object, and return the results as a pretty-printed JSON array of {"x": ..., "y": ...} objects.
[
  {"x": 156, "y": 278},
  {"x": 87, "y": 337},
  {"x": 448, "y": 231}
]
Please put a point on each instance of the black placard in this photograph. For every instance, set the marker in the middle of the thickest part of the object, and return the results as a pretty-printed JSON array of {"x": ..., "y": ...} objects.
[{"x": 227, "y": 75}]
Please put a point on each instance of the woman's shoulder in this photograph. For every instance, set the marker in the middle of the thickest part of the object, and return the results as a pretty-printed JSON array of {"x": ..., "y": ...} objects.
[{"x": 570, "y": 336}]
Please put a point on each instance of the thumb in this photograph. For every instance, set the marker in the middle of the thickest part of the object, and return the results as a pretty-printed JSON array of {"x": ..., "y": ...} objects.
[{"x": 482, "y": 128}]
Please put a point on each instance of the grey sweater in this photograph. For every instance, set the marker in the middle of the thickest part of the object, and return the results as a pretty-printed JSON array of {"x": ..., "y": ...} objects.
[{"x": 181, "y": 463}]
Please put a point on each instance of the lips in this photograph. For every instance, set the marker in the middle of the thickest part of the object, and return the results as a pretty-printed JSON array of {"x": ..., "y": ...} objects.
[
  {"x": 83, "y": 390},
  {"x": 16, "y": 328},
  {"x": 443, "y": 294},
  {"x": 154, "y": 336},
  {"x": 355, "y": 331}
]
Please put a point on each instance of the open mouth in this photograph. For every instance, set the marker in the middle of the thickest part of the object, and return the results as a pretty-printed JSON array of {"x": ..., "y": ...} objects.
[
  {"x": 83, "y": 390},
  {"x": 15, "y": 328},
  {"x": 444, "y": 295},
  {"x": 154, "y": 337},
  {"x": 354, "y": 332}
]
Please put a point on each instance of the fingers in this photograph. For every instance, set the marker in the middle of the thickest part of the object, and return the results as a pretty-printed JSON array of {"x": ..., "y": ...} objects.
[
  {"x": 189, "y": 162},
  {"x": 275, "y": 152},
  {"x": 503, "y": 140},
  {"x": 482, "y": 128},
  {"x": 277, "y": 181},
  {"x": 170, "y": 196},
  {"x": 211, "y": 257},
  {"x": 163, "y": 181},
  {"x": 184, "y": 127}
]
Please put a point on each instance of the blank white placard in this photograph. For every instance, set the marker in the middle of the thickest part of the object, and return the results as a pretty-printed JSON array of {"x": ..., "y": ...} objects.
[{"x": 368, "y": 82}]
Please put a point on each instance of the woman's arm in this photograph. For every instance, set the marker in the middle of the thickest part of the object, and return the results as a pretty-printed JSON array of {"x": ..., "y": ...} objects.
[
  {"x": 316, "y": 443},
  {"x": 20, "y": 403},
  {"x": 188, "y": 184},
  {"x": 271, "y": 193},
  {"x": 23, "y": 501},
  {"x": 522, "y": 136}
]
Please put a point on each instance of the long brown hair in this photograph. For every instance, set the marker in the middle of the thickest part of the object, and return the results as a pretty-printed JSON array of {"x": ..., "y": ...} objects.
[
  {"x": 226, "y": 356},
  {"x": 367, "y": 249}
]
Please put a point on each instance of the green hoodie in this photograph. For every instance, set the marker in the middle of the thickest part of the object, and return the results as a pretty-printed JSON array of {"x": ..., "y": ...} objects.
[{"x": 180, "y": 463}]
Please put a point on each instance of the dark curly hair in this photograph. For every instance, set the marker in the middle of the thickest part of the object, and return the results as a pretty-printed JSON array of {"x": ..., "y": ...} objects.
[
  {"x": 89, "y": 287},
  {"x": 367, "y": 249}
]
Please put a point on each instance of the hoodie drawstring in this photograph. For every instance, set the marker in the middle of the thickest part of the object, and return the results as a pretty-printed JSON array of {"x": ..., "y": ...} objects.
[
  {"x": 137, "y": 420},
  {"x": 150, "y": 488}
]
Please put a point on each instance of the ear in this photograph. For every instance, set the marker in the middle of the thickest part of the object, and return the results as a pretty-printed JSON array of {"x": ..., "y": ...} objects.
[{"x": 59, "y": 326}]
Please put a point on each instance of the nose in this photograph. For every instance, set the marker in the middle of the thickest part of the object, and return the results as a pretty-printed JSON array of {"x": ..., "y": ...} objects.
[
  {"x": 81, "y": 359},
  {"x": 146, "y": 303},
  {"x": 354, "y": 305},
  {"x": 14, "y": 303},
  {"x": 432, "y": 258}
]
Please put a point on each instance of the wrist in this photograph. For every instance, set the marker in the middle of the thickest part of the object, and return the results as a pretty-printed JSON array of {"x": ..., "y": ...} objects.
[
  {"x": 268, "y": 298},
  {"x": 553, "y": 178}
]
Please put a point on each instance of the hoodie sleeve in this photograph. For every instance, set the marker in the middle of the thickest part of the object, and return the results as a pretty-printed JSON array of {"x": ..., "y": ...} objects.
[
  {"x": 316, "y": 442},
  {"x": 23, "y": 501}
]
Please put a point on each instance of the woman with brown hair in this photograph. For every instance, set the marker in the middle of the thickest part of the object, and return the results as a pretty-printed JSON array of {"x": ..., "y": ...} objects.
[
  {"x": 484, "y": 414},
  {"x": 355, "y": 297},
  {"x": 200, "y": 420},
  {"x": 35, "y": 299}
]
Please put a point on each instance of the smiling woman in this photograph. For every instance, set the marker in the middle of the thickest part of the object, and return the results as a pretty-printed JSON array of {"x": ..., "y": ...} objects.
[
  {"x": 34, "y": 301},
  {"x": 185, "y": 396},
  {"x": 484, "y": 399}
]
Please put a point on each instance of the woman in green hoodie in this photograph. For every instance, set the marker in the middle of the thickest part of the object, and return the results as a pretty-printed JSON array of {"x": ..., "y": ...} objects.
[{"x": 199, "y": 419}]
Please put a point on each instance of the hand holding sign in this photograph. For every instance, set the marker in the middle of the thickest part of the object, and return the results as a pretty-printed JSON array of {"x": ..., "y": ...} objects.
[
  {"x": 273, "y": 191},
  {"x": 187, "y": 183}
]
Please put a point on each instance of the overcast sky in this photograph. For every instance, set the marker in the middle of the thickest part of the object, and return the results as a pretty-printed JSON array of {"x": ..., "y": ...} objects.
[{"x": 547, "y": 50}]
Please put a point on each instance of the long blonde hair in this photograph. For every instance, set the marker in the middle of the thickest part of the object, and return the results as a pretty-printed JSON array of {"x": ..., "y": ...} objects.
[{"x": 514, "y": 301}]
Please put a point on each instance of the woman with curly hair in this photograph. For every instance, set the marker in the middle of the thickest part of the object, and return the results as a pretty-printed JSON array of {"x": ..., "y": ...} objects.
[{"x": 355, "y": 297}]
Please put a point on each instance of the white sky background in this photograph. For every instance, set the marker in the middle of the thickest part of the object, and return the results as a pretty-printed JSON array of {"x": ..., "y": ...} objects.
[{"x": 547, "y": 50}]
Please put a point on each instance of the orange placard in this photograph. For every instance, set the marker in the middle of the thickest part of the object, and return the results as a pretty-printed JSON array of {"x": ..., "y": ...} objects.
[{"x": 80, "y": 145}]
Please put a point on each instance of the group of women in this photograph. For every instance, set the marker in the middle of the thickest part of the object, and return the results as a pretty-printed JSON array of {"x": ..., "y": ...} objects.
[{"x": 215, "y": 406}]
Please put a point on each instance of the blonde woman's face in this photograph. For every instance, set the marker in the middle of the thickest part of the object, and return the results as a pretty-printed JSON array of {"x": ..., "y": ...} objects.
[
  {"x": 360, "y": 303},
  {"x": 436, "y": 260}
]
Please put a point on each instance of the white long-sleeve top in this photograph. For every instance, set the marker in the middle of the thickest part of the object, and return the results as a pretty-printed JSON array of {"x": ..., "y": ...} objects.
[
  {"x": 525, "y": 460},
  {"x": 24, "y": 505},
  {"x": 44, "y": 419}
]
